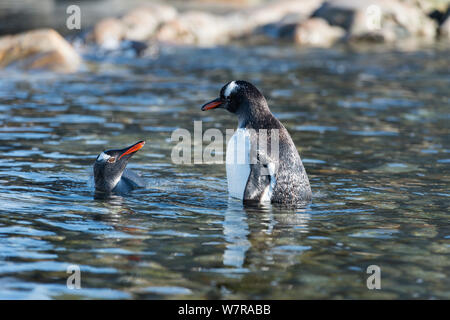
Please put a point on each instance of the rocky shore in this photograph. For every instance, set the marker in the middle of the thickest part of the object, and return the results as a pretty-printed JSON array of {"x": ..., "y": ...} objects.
[{"x": 315, "y": 23}]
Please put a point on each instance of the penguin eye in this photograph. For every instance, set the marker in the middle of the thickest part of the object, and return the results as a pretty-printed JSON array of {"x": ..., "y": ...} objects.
[{"x": 112, "y": 160}]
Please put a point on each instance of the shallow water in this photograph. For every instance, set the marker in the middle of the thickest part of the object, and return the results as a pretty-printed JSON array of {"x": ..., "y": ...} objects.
[{"x": 372, "y": 129}]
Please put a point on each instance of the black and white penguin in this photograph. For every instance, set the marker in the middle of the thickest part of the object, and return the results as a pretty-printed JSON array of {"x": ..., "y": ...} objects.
[
  {"x": 110, "y": 173},
  {"x": 255, "y": 171}
]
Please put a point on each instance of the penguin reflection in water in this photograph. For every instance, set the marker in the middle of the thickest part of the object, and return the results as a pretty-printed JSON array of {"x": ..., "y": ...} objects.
[
  {"x": 111, "y": 174},
  {"x": 254, "y": 172}
]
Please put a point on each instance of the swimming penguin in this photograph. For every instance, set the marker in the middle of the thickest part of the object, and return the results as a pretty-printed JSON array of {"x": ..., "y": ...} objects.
[
  {"x": 262, "y": 162},
  {"x": 110, "y": 173}
]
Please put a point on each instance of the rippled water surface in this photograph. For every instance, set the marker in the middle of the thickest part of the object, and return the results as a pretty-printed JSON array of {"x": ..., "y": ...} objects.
[{"x": 372, "y": 128}]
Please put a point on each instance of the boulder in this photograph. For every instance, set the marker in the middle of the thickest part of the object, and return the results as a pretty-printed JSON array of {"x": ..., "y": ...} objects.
[
  {"x": 39, "y": 49},
  {"x": 385, "y": 20},
  {"x": 316, "y": 32}
]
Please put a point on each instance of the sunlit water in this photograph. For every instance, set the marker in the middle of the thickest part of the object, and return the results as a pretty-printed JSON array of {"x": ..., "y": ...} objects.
[{"x": 372, "y": 129}]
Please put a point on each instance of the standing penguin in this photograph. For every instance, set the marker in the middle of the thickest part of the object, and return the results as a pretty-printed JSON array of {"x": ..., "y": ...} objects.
[
  {"x": 255, "y": 171},
  {"x": 110, "y": 173}
]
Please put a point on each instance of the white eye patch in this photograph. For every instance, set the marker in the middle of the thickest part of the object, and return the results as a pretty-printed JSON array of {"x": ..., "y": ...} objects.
[
  {"x": 103, "y": 157},
  {"x": 230, "y": 88}
]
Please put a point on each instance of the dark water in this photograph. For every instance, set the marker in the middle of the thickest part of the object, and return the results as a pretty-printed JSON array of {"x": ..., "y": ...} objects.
[{"x": 372, "y": 128}]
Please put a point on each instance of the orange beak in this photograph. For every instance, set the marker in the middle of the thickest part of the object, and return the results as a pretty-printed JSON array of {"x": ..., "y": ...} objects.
[
  {"x": 135, "y": 147},
  {"x": 212, "y": 104}
]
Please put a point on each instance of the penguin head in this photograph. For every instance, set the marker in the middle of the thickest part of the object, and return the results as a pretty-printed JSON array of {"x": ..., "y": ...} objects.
[
  {"x": 110, "y": 164},
  {"x": 239, "y": 97}
]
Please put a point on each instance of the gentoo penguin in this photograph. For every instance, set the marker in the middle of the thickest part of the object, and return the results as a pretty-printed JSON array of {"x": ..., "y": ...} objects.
[
  {"x": 255, "y": 171},
  {"x": 110, "y": 174}
]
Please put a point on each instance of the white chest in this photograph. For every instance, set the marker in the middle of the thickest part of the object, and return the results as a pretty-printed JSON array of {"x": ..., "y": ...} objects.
[{"x": 238, "y": 163}]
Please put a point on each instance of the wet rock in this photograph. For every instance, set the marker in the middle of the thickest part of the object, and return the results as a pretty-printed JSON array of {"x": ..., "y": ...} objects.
[
  {"x": 39, "y": 49},
  {"x": 195, "y": 27},
  {"x": 108, "y": 33},
  {"x": 382, "y": 20},
  {"x": 318, "y": 33}
]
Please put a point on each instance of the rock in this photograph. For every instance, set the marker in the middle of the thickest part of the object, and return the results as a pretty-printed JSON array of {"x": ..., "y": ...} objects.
[
  {"x": 141, "y": 23},
  {"x": 195, "y": 27},
  {"x": 39, "y": 49},
  {"x": 317, "y": 32},
  {"x": 108, "y": 33},
  {"x": 382, "y": 19}
]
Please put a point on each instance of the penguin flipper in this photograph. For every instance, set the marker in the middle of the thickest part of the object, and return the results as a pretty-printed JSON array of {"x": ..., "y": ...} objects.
[
  {"x": 261, "y": 181},
  {"x": 133, "y": 178},
  {"x": 256, "y": 183}
]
